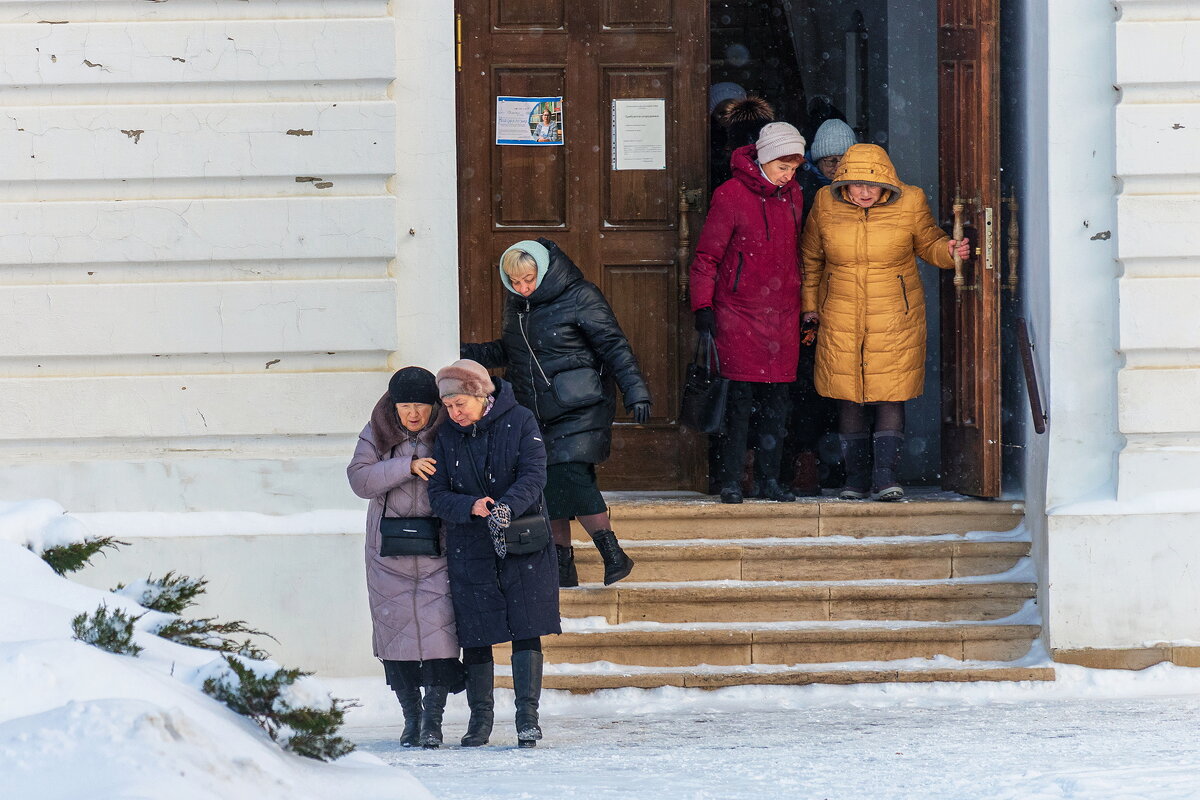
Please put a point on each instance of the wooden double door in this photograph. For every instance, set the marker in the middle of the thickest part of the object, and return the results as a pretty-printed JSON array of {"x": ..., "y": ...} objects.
[{"x": 629, "y": 229}]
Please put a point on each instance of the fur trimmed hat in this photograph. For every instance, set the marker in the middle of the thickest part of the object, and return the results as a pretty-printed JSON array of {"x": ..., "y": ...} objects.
[
  {"x": 464, "y": 377},
  {"x": 744, "y": 119}
]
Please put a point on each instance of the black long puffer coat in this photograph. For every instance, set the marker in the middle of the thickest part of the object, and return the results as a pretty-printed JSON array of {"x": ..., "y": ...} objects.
[
  {"x": 500, "y": 456},
  {"x": 564, "y": 325}
]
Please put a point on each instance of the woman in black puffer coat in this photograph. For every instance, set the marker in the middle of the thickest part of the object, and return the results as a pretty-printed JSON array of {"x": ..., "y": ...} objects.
[{"x": 562, "y": 351}]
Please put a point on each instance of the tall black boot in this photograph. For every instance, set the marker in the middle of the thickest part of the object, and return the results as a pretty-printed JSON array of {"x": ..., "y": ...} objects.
[
  {"x": 431, "y": 716},
  {"x": 856, "y": 453},
  {"x": 527, "y": 688},
  {"x": 480, "y": 682},
  {"x": 889, "y": 448},
  {"x": 616, "y": 564},
  {"x": 568, "y": 576},
  {"x": 410, "y": 704}
]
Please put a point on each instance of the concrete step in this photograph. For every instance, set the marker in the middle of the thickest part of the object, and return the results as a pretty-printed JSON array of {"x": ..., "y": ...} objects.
[
  {"x": 586, "y": 678},
  {"x": 721, "y": 601},
  {"x": 685, "y": 515},
  {"x": 810, "y": 560},
  {"x": 654, "y": 645}
]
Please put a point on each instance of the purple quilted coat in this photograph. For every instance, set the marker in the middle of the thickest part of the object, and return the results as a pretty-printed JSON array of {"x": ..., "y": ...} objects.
[{"x": 411, "y": 609}]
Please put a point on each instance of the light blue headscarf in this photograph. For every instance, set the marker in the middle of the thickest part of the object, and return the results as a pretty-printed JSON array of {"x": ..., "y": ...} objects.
[{"x": 540, "y": 254}]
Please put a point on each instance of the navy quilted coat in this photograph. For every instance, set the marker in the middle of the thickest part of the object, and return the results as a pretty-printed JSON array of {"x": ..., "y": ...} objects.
[{"x": 501, "y": 456}]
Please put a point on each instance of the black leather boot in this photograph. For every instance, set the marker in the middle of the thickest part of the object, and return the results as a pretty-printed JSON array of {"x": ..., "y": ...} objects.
[
  {"x": 889, "y": 449},
  {"x": 480, "y": 682},
  {"x": 772, "y": 489},
  {"x": 527, "y": 689},
  {"x": 410, "y": 704},
  {"x": 568, "y": 576},
  {"x": 856, "y": 453},
  {"x": 431, "y": 716},
  {"x": 616, "y": 564}
]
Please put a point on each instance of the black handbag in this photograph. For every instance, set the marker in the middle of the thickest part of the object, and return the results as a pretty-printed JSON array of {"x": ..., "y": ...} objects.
[
  {"x": 409, "y": 536},
  {"x": 528, "y": 534},
  {"x": 705, "y": 392},
  {"x": 576, "y": 388}
]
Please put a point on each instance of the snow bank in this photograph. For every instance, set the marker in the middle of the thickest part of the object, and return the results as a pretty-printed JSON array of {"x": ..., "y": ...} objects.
[{"x": 76, "y": 721}]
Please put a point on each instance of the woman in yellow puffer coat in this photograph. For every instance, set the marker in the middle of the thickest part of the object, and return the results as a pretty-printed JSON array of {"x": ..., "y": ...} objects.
[{"x": 860, "y": 246}]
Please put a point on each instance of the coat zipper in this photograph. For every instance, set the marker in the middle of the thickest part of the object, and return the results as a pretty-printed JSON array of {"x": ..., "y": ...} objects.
[
  {"x": 904, "y": 291},
  {"x": 825, "y": 299},
  {"x": 766, "y": 222},
  {"x": 533, "y": 386},
  {"x": 737, "y": 278}
]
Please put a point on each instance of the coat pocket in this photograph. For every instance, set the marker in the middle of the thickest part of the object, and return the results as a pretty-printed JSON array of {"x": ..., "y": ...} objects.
[
  {"x": 825, "y": 289},
  {"x": 737, "y": 276},
  {"x": 904, "y": 293}
]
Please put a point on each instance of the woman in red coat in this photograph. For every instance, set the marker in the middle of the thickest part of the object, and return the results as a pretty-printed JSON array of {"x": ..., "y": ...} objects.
[{"x": 745, "y": 290}]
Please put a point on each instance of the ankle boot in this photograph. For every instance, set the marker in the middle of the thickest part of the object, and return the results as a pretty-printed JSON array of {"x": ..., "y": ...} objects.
[
  {"x": 431, "y": 716},
  {"x": 889, "y": 448},
  {"x": 527, "y": 690},
  {"x": 806, "y": 478},
  {"x": 568, "y": 576},
  {"x": 480, "y": 682},
  {"x": 410, "y": 704},
  {"x": 855, "y": 452},
  {"x": 772, "y": 490},
  {"x": 616, "y": 564}
]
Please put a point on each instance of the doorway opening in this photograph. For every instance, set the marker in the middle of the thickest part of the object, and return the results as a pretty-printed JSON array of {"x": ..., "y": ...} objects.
[{"x": 874, "y": 64}]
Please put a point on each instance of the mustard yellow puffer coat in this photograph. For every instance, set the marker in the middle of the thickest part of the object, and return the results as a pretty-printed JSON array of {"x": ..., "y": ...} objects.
[{"x": 860, "y": 275}]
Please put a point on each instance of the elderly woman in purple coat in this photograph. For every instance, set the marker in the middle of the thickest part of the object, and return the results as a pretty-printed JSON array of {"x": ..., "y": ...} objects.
[{"x": 411, "y": 609}]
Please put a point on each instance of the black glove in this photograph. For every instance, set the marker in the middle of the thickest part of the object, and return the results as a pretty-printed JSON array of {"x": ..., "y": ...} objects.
[
  {"x": 706, "y": 321},
  {"x": 640, "y": 412}
]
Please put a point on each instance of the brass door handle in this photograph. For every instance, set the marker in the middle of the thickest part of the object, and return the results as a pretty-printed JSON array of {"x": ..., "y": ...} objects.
[
  {"x": 1014, "y": 243},
  {"x": 688, "y": 198},
  {"x": 957, "y": 235}
]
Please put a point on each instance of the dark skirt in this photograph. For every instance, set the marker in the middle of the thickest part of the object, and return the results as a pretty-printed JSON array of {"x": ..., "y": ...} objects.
[
  {"x": 446, "y": 672},
  {"x": 571, "y": 491}
]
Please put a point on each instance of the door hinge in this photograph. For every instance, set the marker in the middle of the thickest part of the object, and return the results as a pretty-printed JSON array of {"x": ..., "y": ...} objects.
[{"x": 458, "y": 42}]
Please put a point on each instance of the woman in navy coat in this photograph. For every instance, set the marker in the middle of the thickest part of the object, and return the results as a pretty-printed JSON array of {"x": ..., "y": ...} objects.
[{"x": 490, "y": 455}]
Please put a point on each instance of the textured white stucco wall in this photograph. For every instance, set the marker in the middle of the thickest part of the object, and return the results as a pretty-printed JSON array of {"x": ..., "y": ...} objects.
[
  {"x": 1120, "y": 560},
  {"x": 208, "y": 270}
]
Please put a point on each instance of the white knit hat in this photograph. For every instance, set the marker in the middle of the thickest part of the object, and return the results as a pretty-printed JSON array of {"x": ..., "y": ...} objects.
[
  {"x": 833, "y": 138},
  {"x": 778, "y": 139}
]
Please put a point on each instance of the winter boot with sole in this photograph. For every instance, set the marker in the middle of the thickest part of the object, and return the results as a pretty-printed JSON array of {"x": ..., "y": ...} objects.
[
  {"x": 889, "y": 448},
  {"x": 773, "y": 490},
  {"x": 568, "y": 576},
  {"x": 617, "y": 565},
  {"x": 856, "y": 454},
  {"x": 431, "y": 716},
  {"x": 410, "y": 704},
  {"x": 480, "y": 682},
  {"x": 527, "y": 690}
]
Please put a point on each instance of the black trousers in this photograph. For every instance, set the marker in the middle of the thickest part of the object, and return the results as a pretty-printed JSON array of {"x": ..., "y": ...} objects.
[
  {"x": 812, "y": 416},
  {"x": 769, "y": 405}
]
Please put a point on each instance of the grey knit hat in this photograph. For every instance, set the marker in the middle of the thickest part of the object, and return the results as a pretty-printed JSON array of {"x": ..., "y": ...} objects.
[
  {"x": 778, "y": 139},
  {"x": 464, "y": 377},
  {"x": 833, "y": 138}
]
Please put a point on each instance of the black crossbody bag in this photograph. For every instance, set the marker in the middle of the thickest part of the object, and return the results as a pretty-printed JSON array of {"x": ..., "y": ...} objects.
[{"x": 409, "y": 536}]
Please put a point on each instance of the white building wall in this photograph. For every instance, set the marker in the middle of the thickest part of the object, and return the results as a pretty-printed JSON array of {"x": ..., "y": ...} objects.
[
  {"x": 208, "y": 270},
  {"x": 1120, "y": 561}
]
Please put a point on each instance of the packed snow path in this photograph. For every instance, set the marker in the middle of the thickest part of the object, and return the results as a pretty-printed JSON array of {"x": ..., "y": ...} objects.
[{"x": 1100, "y": 748}]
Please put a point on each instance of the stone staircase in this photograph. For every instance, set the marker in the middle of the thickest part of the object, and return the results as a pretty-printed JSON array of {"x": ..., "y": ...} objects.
[{"x": 937, "y": 588}]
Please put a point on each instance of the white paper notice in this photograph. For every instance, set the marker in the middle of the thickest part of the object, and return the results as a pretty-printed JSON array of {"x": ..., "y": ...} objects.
[{"x": 639, "y": 134}]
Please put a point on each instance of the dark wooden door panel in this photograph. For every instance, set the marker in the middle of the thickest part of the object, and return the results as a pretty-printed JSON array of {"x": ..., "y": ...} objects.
[
  {"x": 969, "y": 142},
  {"x": 620, "y": 226}
]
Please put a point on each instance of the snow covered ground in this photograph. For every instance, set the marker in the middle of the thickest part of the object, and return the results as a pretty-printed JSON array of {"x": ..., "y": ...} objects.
[
  {"x": 80, "y": 723},
  {"x": 1101, "y": 735}
]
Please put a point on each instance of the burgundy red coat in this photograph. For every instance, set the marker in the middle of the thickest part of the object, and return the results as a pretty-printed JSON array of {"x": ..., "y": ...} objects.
[{"x": 747, "y": 268}]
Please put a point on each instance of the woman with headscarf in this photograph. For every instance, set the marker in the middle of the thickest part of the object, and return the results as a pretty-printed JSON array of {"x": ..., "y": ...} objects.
[
  {"x": 562, "y": 350},
  {"x": 412, "y": 616},
  {"x": 860, "y": 247},
  {"x": 492, "y": 466}
]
